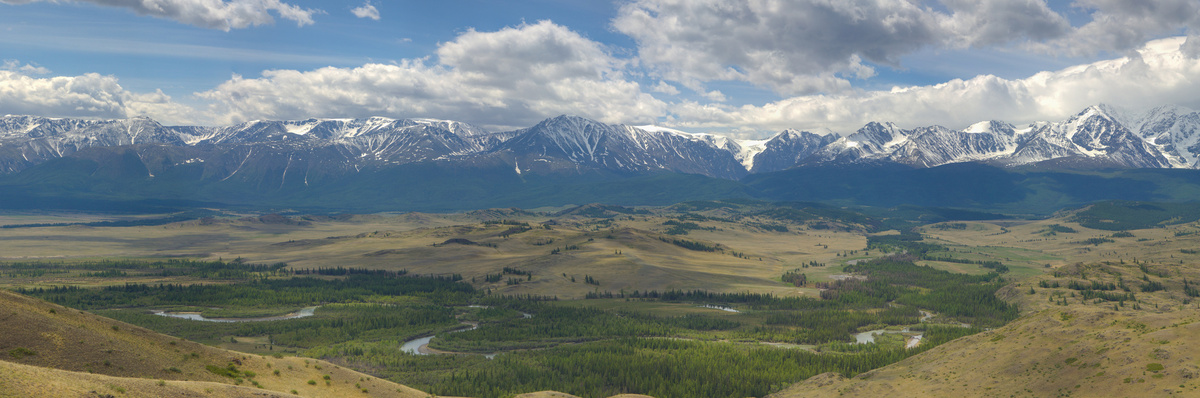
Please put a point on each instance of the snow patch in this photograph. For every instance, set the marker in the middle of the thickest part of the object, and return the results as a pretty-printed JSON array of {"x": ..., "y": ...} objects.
[{"x": 749, "y": 150}]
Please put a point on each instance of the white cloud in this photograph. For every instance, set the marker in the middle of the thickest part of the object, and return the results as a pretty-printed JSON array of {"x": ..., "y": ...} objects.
[
  {"x": 508, "y": 78},
  {"x": 1158, "y": 73},
  {"x": 665, "y": 88},
  {"x": 810, "y": 46},
  {"x": 15, "y": 66},
  {"x": 89, "y": 95},
  {"x": 366, "y": 11},
  {"x": 1119, "y": 25},
  {"x": 212, "y": 14},
  {"x": 715, "y": 96},
  {"x": 819, "y": 46}
]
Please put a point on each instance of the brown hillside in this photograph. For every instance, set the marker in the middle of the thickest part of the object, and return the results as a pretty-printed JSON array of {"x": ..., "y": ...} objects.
[
  {"x": 17, "y": 380},
  {"x": 1077, "y": 349},
  {"x": 40, "y": 334}
]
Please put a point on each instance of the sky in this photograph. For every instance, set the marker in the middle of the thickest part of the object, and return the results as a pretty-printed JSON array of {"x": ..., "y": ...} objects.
[{"x": 744, "y": 68}]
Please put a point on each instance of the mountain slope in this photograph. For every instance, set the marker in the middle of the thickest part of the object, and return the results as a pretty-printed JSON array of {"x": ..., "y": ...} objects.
[
  {"x": 789, "y": 148},
  {"x": 592, "y": 144},
  {"x": 1176, "y": 131}
]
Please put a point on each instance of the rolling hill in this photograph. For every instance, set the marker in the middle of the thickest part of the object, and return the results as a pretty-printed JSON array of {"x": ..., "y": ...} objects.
[{"x": 51, "y": 350}]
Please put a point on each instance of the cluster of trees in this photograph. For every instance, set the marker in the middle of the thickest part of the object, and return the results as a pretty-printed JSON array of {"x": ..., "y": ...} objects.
[
  {"x": 989, "y": 264},
  {"x": 1096, "y": 241},
  {"x": 564, "y": 248},
  {"x": 970, "y": 298},
  {"x": 907, "y": 242},
  {"x": 515, "y": 271},
  {"x": 795, "y": 278},
  {"x": 236, "y": 269},
  {"x": 552, "y": 325},
  {"x": 665, "y": 368},
  {"x": 258, "y": 293},
  {"x": 692, "y": 245},
  {"x": 769, "y": 227},
  {"x": 332, "y": 324},
  {"x": 342, "y": 271},
  {"x": 950, "y": 225},
  {"x": 682, "y": 228},
  {"x": 1055, "y": 229}
]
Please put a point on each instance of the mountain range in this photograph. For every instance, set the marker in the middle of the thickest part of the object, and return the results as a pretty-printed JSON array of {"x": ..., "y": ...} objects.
[
  {"x": 1099, "y": 136},
  {"x": 441, "y": 161}
]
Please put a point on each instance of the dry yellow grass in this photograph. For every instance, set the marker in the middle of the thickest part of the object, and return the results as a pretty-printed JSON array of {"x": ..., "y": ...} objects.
[
  {"x": 23, "y": 381},
  {"x": 625, "y": 254}
]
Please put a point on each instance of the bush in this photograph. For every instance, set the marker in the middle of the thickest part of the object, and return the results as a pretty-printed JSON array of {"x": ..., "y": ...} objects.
[{"x": 21, "y": 352}]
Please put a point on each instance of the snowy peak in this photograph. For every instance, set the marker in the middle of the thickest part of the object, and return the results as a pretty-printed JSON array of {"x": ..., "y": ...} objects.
[
  {"x": 571, "y": 137},
  {"x": 992, "y": 127},
  {"x": 623, "y": 148},
  {"x": 1099, "y": 136},
  {"x": 879, "y": 136},
  {"x": 1173, "y": 130},
  {"x": 787, "y": 149}
]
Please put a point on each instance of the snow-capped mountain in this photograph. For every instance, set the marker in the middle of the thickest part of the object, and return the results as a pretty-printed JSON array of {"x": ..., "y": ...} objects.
[
  {"x": 1099, "y": 136},
  {"x": 1175, "y": 131},
  {"x": 1093, "y": 138},
  {"x": 589, "y": 143},
  {"x": 29, "y": 140},
  {"x": 789, "y": 148}
]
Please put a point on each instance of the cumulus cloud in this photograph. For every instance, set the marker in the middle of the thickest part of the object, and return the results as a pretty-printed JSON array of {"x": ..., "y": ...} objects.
[
  {"x": 212, "y": 14},
  {"x": 508, "y": 78},
  {"x": 820, "y": 46},
  {"x": 13, "y": 65},
  {"x": 366, "y": 11},
  {"x": 665, "y": 88},
  {"x": 1119, "y": 25},
  {"x": 809, "y": 46},
  {"x": 1156, "y": 74},
  {"x": 88, "y": 95}
]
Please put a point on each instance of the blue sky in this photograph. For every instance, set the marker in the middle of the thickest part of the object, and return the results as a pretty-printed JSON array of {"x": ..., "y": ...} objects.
[{"x": 744, "y": 68}]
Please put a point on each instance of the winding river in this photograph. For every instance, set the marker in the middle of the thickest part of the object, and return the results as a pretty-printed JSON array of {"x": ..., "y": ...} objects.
[
  {"x": 195, "y": 316},
  {"x": 717, "y": 307},
  {"x": 420, "y": 346}
]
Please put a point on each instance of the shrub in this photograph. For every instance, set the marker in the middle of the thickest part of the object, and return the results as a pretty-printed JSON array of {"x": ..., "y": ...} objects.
[{"x": 21, "y": 352}]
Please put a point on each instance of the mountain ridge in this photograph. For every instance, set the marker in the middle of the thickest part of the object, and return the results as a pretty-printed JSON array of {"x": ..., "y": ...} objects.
[{"x": 1098, "y": 136}]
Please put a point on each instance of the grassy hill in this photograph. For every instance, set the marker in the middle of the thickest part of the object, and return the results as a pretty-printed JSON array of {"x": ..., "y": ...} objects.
[
  {"x": 50, "y": 350},
  {"x": 1063, "y": 346},
  {"x": 17, "y": 380}
]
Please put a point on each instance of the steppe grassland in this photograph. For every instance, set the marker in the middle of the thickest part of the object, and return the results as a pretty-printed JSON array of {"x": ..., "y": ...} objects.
[
  {"x": 1031, "y": 243},
  {"x": 624, "y": 254}
]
